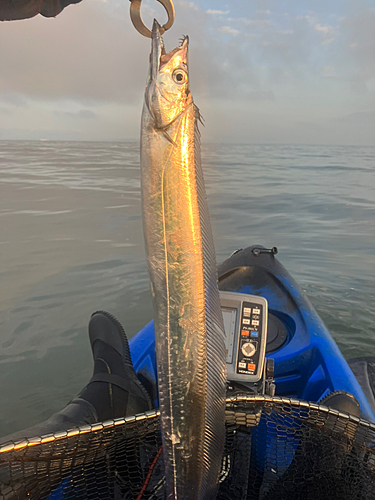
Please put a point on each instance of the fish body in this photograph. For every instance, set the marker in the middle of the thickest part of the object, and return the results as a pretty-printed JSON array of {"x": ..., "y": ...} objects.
[{"x": 189, "y": 332}]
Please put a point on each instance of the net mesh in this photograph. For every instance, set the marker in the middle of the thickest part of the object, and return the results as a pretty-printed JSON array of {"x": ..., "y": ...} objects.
[{"x": 276, "y": 448}]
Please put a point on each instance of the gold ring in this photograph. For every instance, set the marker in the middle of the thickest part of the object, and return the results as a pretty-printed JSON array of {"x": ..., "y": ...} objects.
[{"x": 135, "y": 16}]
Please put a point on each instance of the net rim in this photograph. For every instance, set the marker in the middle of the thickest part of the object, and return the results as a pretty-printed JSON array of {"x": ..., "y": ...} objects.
[
  {"x": 231, "y": 403},
  {"x": 78, "y": 431}
]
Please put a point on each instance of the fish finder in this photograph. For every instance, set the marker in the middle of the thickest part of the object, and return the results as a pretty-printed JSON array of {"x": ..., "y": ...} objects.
[{"x": 245, "y": 325}]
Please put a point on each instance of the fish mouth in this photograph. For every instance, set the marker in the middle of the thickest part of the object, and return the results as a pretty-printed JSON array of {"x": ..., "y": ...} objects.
[
  {"x": 157, "y": 50},
  {"x": 159, "y": 57},
  {"x": 160, "y": 89}
]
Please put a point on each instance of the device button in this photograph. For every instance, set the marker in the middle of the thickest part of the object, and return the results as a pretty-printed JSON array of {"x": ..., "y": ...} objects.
[
  {"x": 246, "y": 311},
  {"x": 250, "y": 366},
  {"x": 255, "y": 322},
  {"x": 245, "y": 333},
  {"x": 242, "y": 365},
  {"x": 256, "y": 311},
  {"x": 248, "y": 349},
  {"x": 254, "y": 334},
  {"x": 246, "y": 321}
]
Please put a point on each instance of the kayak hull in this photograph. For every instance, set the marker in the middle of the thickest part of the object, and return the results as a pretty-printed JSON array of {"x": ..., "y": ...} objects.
[{"x": 308, "y": 363}]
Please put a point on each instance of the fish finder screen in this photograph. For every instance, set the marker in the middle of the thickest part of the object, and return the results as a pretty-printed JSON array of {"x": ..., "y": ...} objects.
[{"x": 229, "y": 317}]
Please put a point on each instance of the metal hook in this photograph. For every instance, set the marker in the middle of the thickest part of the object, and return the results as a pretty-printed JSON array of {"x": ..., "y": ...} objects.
[{"x": 135, "y": 16}]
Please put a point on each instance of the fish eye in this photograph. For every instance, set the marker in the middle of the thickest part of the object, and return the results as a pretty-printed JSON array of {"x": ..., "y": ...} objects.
[{"x": 179, "y": 76}]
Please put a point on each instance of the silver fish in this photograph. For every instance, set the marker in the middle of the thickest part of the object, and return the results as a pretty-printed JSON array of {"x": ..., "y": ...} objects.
[{"x": 189, "y": 328}]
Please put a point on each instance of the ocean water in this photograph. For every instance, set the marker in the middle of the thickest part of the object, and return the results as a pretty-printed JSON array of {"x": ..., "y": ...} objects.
[{"x": 71, "y": 243}]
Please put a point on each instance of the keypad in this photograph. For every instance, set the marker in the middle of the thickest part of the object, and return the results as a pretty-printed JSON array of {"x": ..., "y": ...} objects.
[{"x": 249, "y": 342}]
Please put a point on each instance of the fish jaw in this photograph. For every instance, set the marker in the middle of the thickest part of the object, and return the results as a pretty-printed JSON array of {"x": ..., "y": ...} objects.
[{"x": 167, "y": 90}]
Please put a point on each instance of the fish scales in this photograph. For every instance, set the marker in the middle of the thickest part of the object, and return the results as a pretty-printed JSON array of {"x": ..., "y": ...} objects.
[{"x": 189, "y": 329}]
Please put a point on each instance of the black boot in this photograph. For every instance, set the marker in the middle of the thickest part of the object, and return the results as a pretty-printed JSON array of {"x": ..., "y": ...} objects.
[{"x": 114, "y": 389}]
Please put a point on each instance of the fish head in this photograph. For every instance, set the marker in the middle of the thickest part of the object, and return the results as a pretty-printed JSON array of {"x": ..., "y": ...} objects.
[{"x": 168, "y": 90}]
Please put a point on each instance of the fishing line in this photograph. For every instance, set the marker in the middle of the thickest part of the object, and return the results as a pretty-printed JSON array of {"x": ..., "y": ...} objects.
[{"x": 149, "y": 474}]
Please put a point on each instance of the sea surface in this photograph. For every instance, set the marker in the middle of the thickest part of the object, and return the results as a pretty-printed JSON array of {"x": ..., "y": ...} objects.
[{"x": 71, "y": 243}]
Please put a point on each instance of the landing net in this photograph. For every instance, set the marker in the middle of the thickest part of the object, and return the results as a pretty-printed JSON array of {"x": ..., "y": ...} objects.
[{"x": 276, "y": 448}]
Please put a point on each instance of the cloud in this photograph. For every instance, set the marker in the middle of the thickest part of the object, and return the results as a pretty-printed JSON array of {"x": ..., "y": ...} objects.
[
  {"x": 359, "y": 31},
  {"x": 13, "y": 99},
  {"x": 227, "y": 30},
  {"x": 261, "y": 96},
  {"x": 82, "y": 55},
  {"x": 311, "y": 19},
  {"x": 327, "y": 31},
  {"x": 254, "y": 22},
  {"x": 328, "y": 71},
  {"x": 217, "y": 12},
  {"x": 190, "y": 5},
  {"x": 82, "y": 75},
  {"x": 86, "y": 114},
  {"x": 359, "y": 117},
  {"x": 91, "y": 57},
  {"x": 5, "y": 111}
]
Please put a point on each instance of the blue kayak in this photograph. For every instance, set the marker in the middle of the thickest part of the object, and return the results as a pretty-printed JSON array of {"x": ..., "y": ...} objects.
[{"x": 308, "y": 364}]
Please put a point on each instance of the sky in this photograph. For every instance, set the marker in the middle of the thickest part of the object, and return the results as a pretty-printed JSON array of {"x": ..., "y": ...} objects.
[{"x": 261, "y": 71}]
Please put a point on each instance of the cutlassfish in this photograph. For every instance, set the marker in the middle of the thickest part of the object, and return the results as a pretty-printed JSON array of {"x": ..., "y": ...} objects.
[{"x": 189, "y": 332}]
